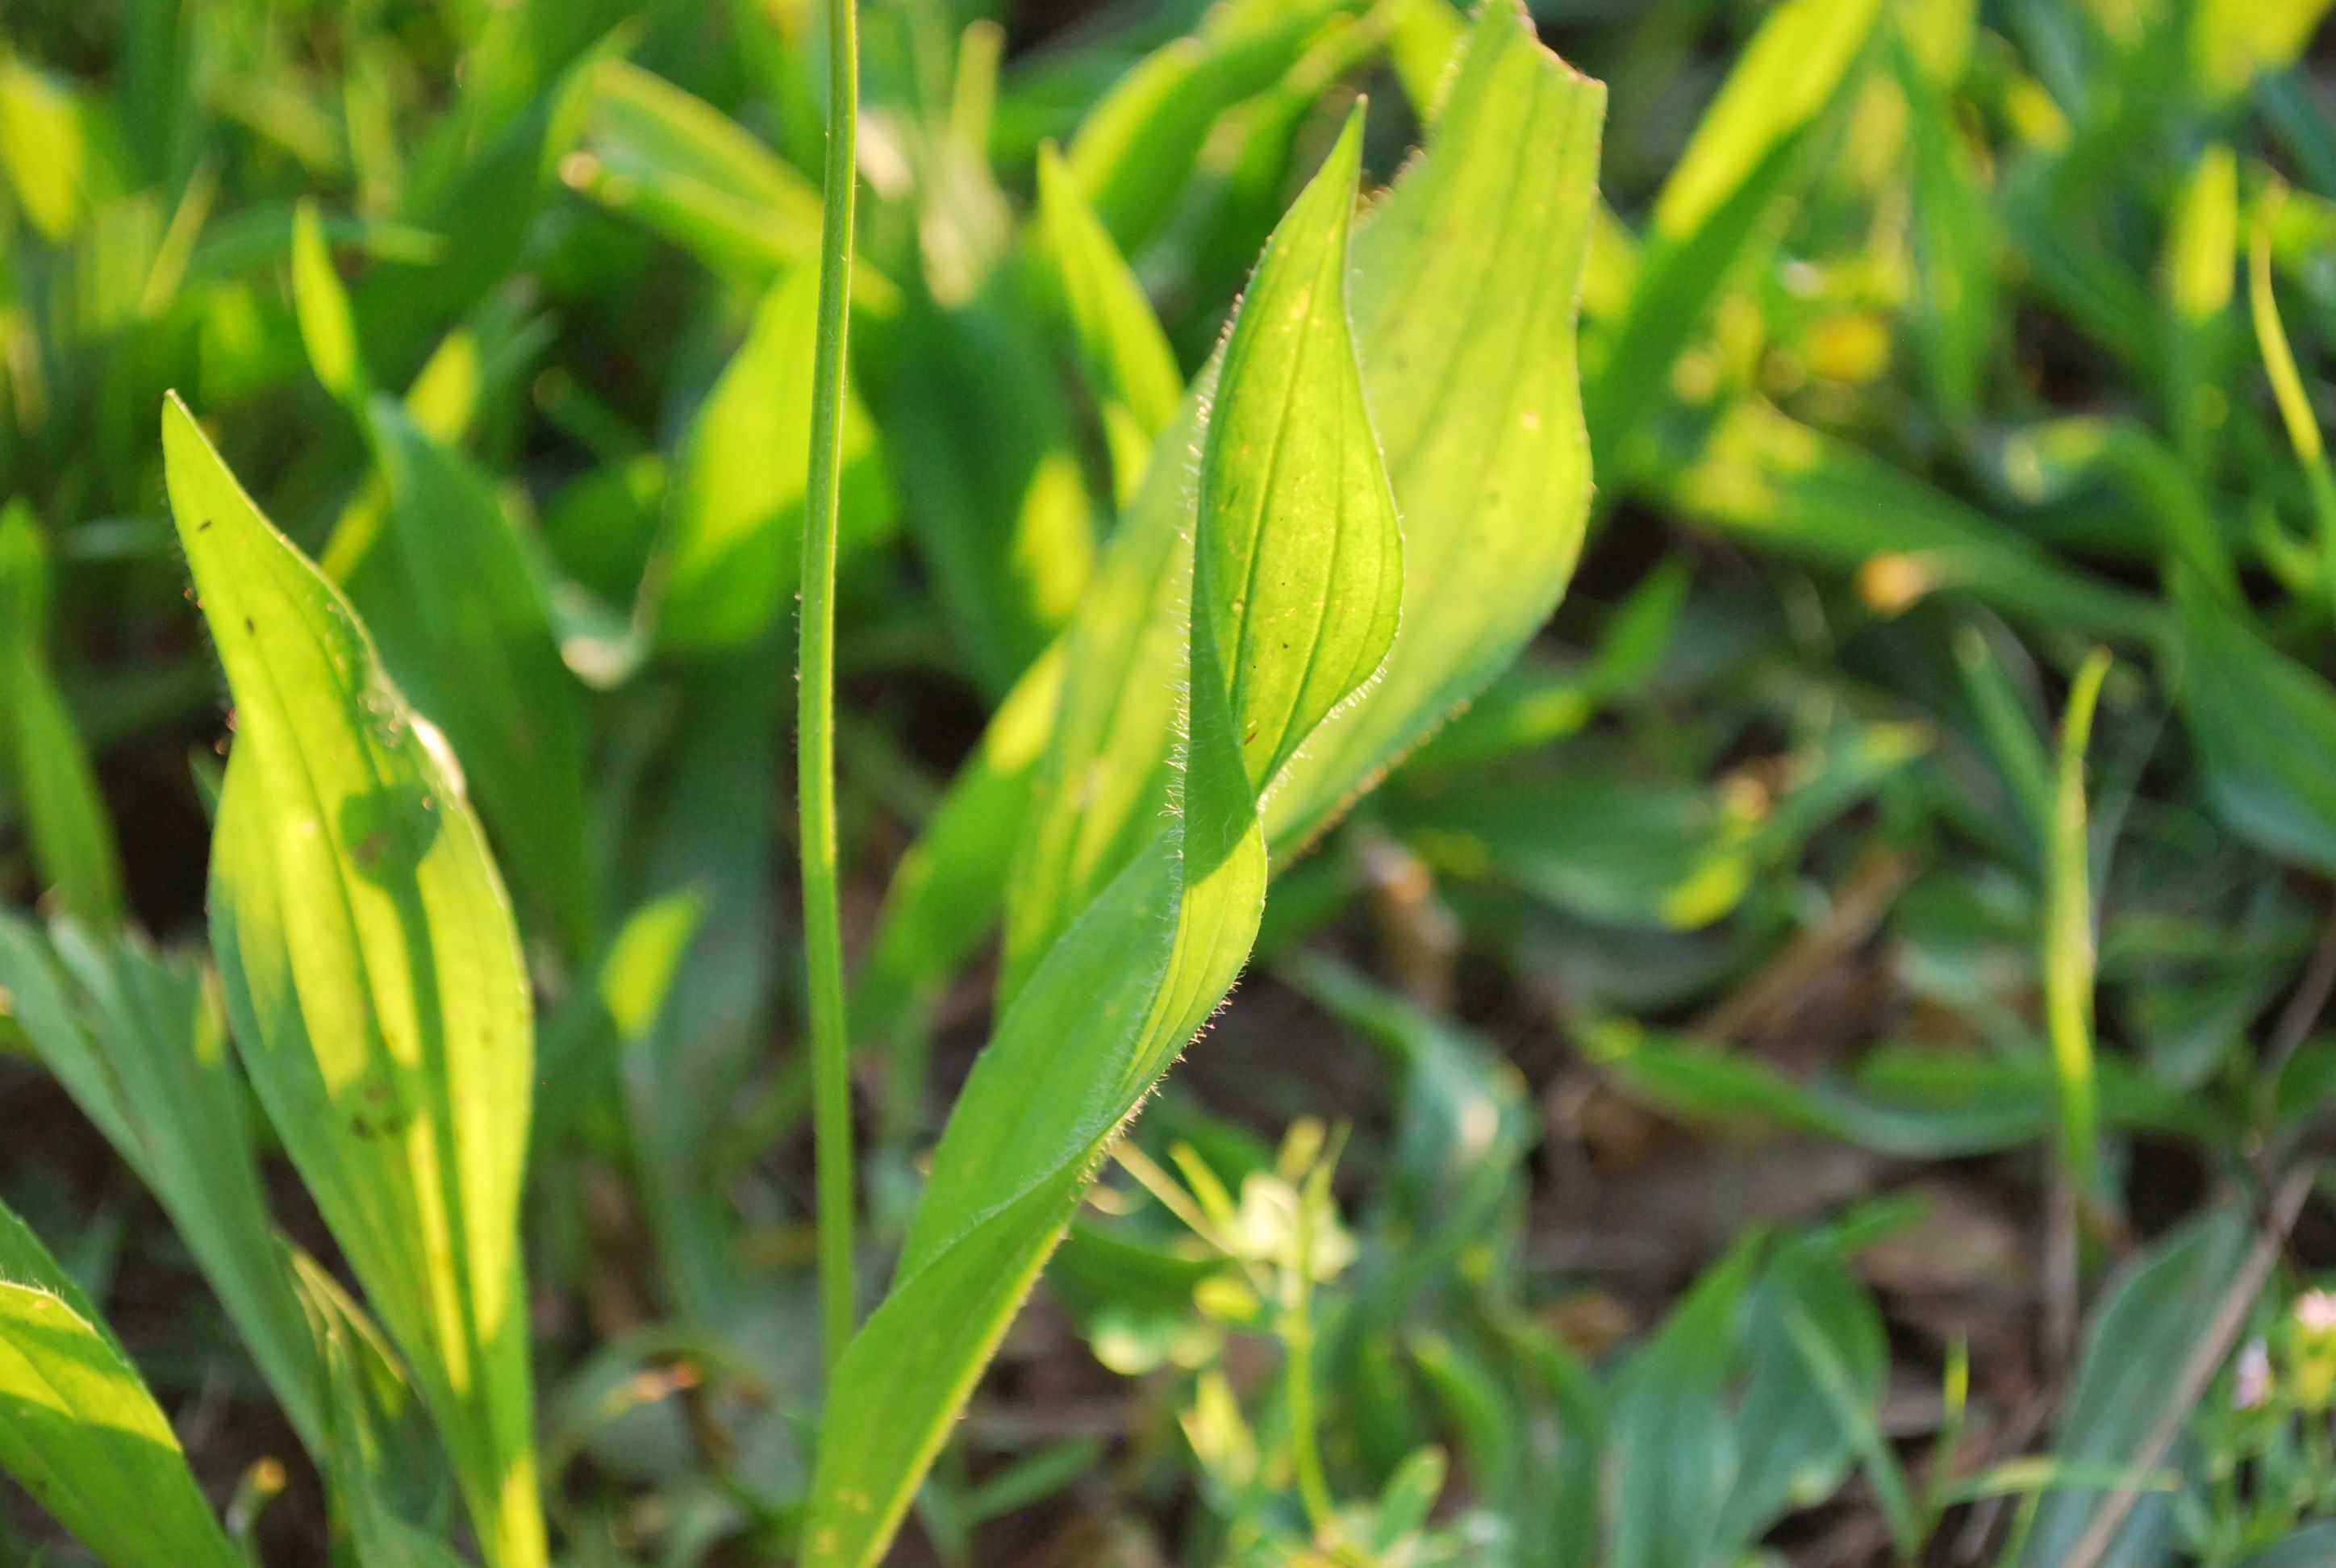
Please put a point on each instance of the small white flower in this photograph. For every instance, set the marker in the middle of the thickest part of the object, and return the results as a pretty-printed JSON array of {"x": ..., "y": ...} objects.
[
  {"x": 2315, "y": 1311},
  {"x": 2251, "y": 1386}
]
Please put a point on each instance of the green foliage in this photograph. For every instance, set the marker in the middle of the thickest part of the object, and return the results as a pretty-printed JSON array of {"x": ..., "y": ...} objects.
[
  {"x": 45, "y": 757},
  {"x": 374, "y": 980},
  {"x": 1295, "y": 595},
  {"x": 140, "y": 1048},
  {"x": 79, "y": 1429},
  {"x": 1674, "y": 997}
]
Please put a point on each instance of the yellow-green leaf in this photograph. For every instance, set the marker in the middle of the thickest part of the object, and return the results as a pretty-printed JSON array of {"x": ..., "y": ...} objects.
[
  {"x": 79, "y": 1431},
  {"x": 734, "y": 528},
  {"x": 1126, "y": 353},
  {"x": 132, "y": 1038},
  {"x": 1110, "y": 1005},
  {"x": 373, "y": 979}
]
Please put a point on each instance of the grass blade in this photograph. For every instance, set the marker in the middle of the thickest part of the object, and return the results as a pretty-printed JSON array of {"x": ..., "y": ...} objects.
[
  {"x": 1126, "y": 353},
  {"x": 2068, "y": 959},
  {"x": 72, "y": 841}
]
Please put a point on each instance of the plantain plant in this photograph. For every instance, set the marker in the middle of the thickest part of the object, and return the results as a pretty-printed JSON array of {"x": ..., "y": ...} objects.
[
  {"x": 1178, "y": 462},
  {"x": 1370, "y": 497}
]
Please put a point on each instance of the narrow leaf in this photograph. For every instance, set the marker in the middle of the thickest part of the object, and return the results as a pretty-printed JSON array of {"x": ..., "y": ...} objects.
[
  {"x": 2068, "y": 957},
  {"x": 79, "y": 1431},
  {"x": 1290, "y": 436},
  {"x": 2141, "y": 1333},
  {"x": 132, "y": 1040},
  {"x": 374, "y": 980},
  {"x": 1110, "y": 1005},
  {"x": 46, "y": 762},
  {"x": 1126, "y": 353},
  {"x": 736, "y": 514},
  {"x": 1463, "y": 325},
  {"x": 651, "y": 151},
  {"x": 327, "y": 327}
]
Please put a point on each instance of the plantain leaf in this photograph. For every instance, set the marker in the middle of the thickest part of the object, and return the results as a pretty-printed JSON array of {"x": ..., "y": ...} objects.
[
  {"x": 1672, "y": 1464},
  {"x": 1126, "y": 353},
  {"x": 1135, "y": 151},
  {"x": 1290, "y": 437},
  {"x": 79, "y": 1431},
  {"x": 131, "y": 1037},
  {"x": 46, "y": 762},
  {"x": 444, "y": 582},
  {"x": 328, "y": 326},
  {"x": 1095, "y": 794},
  {"x": 1784, "y": 77},
  {"x": 1107, "y": 1009},
  {"x": 373, "y": 977},
  {"x": 1465, "y": 284},
  {"x": 655, "y": 152},
  {"x": 2266, "y": 730},
  {"x": 358, "y": 1461},
  {"x": 736, "y": 521},
  {"x": 1464, "y": 324},
  {"x": 2146, "y": 1326}
]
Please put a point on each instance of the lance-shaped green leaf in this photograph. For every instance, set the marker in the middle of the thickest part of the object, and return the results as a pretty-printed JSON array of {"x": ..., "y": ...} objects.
[
  {"x": 1095, "y": 794},
  {"x": 448, "y": 592},
  {"x": 79, "y": 1431},
  {"x": 1291, "y": 434},
  {"x": 130, "y": 1036},
  {"x": 1126, "y": 354},
  {"x": 736, "y": 524},
  {"x": 1110, "y": 1005},
  {"x": 374, "y": 980},
  {"x": 328, "y": 326},
  {"x": 2145, "y": 1327},
  {"x": 649, "y": 148},
  {"x": 46, "y": 762},
  {"x": 1465, "y": 283},
  {"x": 1464, "y": 307},
  {"x": 2069, "y": 961},
  {"x": 358, "y": 1462},
  {"x": 1136, "y": 150},
  {"x": 2266, "y": 730}
]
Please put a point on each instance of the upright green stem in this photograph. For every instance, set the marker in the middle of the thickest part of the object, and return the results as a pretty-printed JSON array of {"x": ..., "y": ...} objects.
[{"x": 816, "y": 696}]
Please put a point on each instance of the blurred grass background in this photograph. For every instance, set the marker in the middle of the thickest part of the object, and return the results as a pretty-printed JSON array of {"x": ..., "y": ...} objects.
[{"x": 1701, "y": 1010}]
